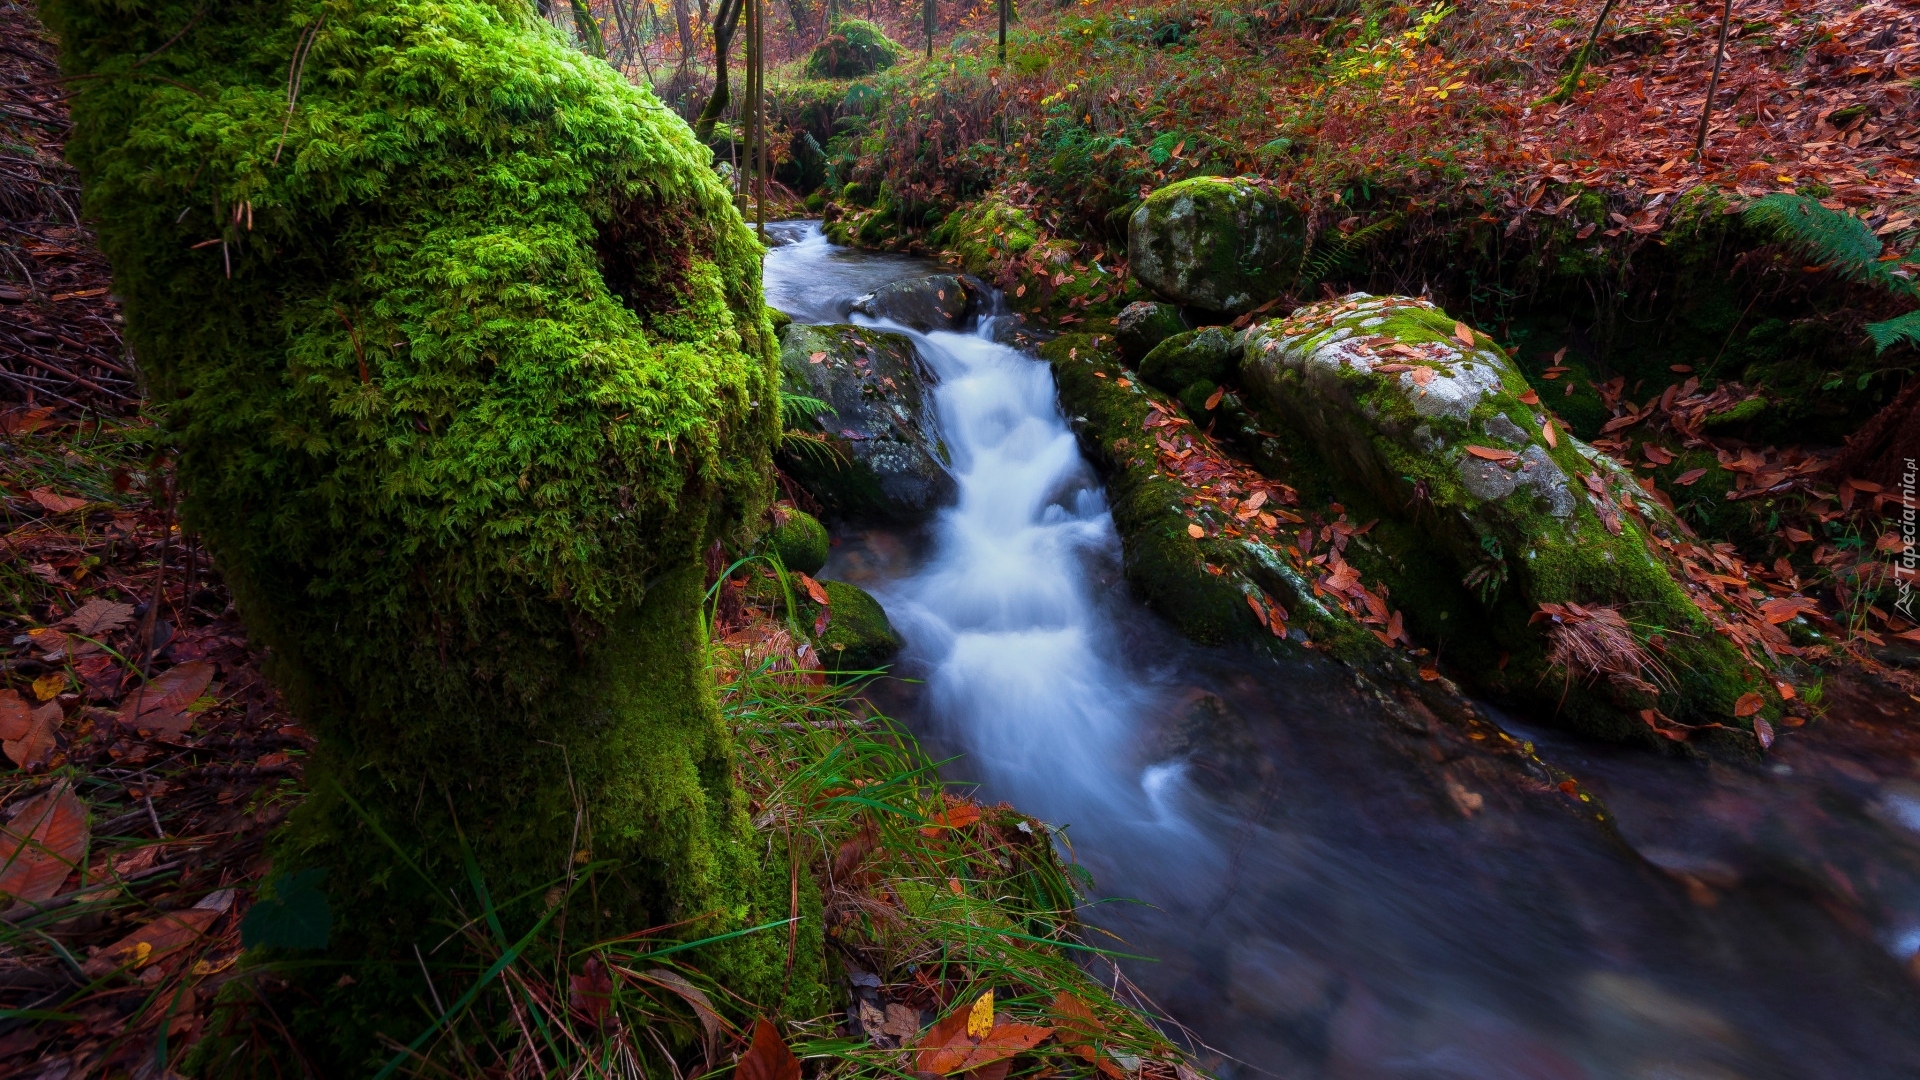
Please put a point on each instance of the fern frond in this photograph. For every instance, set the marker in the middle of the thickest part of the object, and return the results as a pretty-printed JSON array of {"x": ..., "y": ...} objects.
[
  {"x": 795, "y": 408},
  {"x": 1903, "y": 328},
  {"x": 1334, "y": 253},
  {"x": 1839, "y": 241}
]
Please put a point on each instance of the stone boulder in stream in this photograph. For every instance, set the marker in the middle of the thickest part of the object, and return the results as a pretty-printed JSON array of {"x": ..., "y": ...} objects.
[
  {"x": 1571, "y": 562},
  {"x": 935, "y": 302},
  {"x": 1220, "y": 244},
  {"x": 878, "y": 453}
]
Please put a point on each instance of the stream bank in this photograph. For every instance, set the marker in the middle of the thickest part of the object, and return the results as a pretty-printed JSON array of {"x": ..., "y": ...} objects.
[{"x": 1333, "y": 883}]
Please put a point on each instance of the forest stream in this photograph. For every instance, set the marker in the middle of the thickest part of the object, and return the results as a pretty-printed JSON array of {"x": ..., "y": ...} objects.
[{"x": 1311, "y": 907}]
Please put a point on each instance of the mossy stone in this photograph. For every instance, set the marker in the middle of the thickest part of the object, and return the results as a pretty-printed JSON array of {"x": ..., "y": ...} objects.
[
  {"x": 1203, "y": 355},
  {"x": 800, "y": 541},
  {"x": 1222, "y": 244},
  {"x": 853, "y": 49},
  {"x": 858, "y": 637},
  {"x": 1144, "y": 324}
]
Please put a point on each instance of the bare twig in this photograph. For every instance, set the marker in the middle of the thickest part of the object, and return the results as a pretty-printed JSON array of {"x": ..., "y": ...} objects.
[{"x": 1713, "y": 84}]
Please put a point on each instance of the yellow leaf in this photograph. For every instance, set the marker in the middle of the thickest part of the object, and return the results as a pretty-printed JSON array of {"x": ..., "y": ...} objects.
[
  {"x": 48, "y": 686},
  {"x": 980, "y": 1019},
  {"x": 141, "y": 950}
]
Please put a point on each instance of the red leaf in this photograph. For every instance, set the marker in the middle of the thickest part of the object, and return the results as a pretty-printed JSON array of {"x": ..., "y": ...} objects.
[
  {"x": 1763, "y": 731},
  {"x": 1214, "y": 398},
  {"x": 1004, "y": 1041},
  {"x": 1530, "y": 398},
  {"x": 155, "y": 941},
  {"x": 768, "y": 1058},
  {"x": 592, "y": 993},
  {"x": 945, "y": 1045},
  {"x": 1656, "y": 454},
  {"x": 1749, "y": 704},
  {"x": 1259, "y": 612},
  {"x": 1687, "y": 478},
  {"x": 814, "y": 590},
  {"x": 158, "y": 705},
  {"x": 44, "y": 840},
  {"x": 34, "y": 747},
  {"x": 1491, "y": 454},
  {"x": 58, "y": 504}
]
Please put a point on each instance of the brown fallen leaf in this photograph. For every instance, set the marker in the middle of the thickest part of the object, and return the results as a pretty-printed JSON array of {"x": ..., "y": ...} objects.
[
  {"x": 96, "y": 617},
  {"x": 160, "y": 705},
  {"x": 1659, "y": 455},
  {"x": 1546, "y": 432},
  {"x": 152, "y": 943},
  {"x": 696, "y": 999},
  {"x": 814, "y": 590},
  {"x": 1213, "y": 399},
  {"x": 1491, "y": 454},
  {"x": 1530, "y": 397},
  {"x": 1462, "y": 334},
  {"x": 36, "y": 745},
  {"x": 944, "y": 1045},
  {"x": 1421, "y": 375},
  {"x": 1786, "y": 609},
  {"x": 768, "y": 1057},
  {"x": 1763, "y": 731},
  {"x": 1749, "y": 704},
  {"x": 58, "y": 504},
  {"x": 1003, "y": 1042},
  {"x": 1391, "y": 369},
  {"x": 15, "y": 715},
  {"x": 816, "y": 358},
  {"x": 45, "y": 840},
  {"x": 1687, "y": 479},
  {"x": 1196, "y": 531}
]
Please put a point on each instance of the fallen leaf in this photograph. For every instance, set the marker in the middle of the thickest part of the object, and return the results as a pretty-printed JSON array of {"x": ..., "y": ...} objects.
[
  {"x": 768, "y": 1057},
  {"x": 1659, "y": 455},
  {"x": 1214, "y": 398},
  {"x": 980, "y": 1017},
  {"x": 45, "y": 840},
  {"x": 1003, "y": 1042},
  {"x": 1196, "y": 531},
  {"x": 591, "y": 993},
  {"x": 1491, "y": 454},
  {"x": 1763, "y": 731},
  {"x": 1686, "y": 479},
  {"x": 1421, "y": 375},
  {"x": 944, "y": 1045},
  {"x": 1463, "y": 335},
  {"x": 817, "y": 357},
  {"x": 814, "y": 589},
  {"x": 48, "y": 686},
  {"x": 1546, "y": 431},
  {"x": 160, "y": 704},
  {"x": 1429, "y": 673},
  {"x": 35, "y": 747},
  {"x": 1785, "y": 609},
  {"x": 1749, "y": 704},
  {"x": 1530, "y": 397},
  {"x": 58, "y": 504},
  {"x": 1259, "y": 612},
  {"x": 15, "y": 715},
  {"x": 902, "y": 1020},
  {"x": 696, "y": 998},
  {"x": 97, "y": 617}
]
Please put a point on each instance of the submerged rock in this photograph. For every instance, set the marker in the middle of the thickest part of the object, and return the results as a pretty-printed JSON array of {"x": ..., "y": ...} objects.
[
  {"x": 934, "y": 302},
  {"x": 1432, "y": 420},
  {"x": 1143, "y": 324},
  {"x": 879, "y": 453},
  {"x": 1217, "y": 243}
]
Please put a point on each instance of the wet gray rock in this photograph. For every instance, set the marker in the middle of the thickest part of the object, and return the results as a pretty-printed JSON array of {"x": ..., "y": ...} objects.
[
  {"x": 1506, "y": 431},
  {"x": 1217, "y": 243},
  {"x": 881, "y": 456},
  {"x": 1540, "y": 475},
  {"x": 1204, "y": 355},
  {"x": 1487, "y": 481},
  {"x": 935, "y": 302},
  {"x": 1145, "y": 324}
]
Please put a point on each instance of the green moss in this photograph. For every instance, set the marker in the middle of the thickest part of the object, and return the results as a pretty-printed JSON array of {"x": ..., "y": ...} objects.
[
  {"x": 854, "y": 48},
  {"x": 1194, "y": 356},
  {"x": 1218, "y": 243},
  {"x": 456, "y": 438},
  {"x": 858, "y": 637},
  {"x": 800, "y": 541},
  {"x": 985, "y": 233}
]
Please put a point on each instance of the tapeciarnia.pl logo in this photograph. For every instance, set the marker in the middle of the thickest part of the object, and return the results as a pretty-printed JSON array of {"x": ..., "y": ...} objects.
[{"x": 1903, "y": 567}]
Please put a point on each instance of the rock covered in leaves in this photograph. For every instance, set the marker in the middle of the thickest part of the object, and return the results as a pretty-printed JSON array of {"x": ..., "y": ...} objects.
[
  {"x": 1433, "y": 422},
  {"x": 880, "y": 454},
  {"x": 1216, "y": 243},
  {"x": 934, "y": 302},
  {"x": 854, "y": 48},
  {"x": 1144, "y": 324}
]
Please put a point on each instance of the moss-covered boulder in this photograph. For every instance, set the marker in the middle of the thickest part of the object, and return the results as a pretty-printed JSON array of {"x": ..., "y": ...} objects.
[
  {"x": 799, "y": 539},
  {"x": 1221, "y": 244},
  {"x": 985, "y": 234},
  {"x": 934, "y": 302},
  {"x": 1205, "y": 356},
  {"x": 1572, "y": 564},
  {"x": 476, "y": 370},
  {"x": 858, "y": 638},
  {"x": 878, "y": 453},
  {"x": 853, "y": 49},
  {"x": 1145, "y": 323}
]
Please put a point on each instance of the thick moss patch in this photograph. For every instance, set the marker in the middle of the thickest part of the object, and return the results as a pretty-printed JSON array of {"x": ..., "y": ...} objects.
[
  {"x": 858, "y": 637},
  {"x": 799, "y": 539},
  {"x": 1217, "y": 243}
]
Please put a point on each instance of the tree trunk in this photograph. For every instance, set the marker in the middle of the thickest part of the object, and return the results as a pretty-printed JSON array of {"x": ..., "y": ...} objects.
[
  {"x": 726, "y": 19},
  {"x": 683, "y": 22},
  {"x": 456, "y": 444}
]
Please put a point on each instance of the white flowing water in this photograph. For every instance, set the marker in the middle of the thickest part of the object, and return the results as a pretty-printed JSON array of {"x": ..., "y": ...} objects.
[{"x": 1314, "y": 909}]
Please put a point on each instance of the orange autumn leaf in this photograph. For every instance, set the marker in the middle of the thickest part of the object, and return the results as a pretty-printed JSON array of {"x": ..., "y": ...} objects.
[
  {"x": 1686, "y": 479},
  {"x": 1530, "y": 397},
  {"x": 814, "y": 590},
  {"x": 1491, "y": 454},
  {"x": 1462, "y": 334},
  {"x": 1214, "y": 398},
  {"x": 767, "y": 1058},
  {"x": 58, "y": 504},
  {"x": 1749, "y": 704},
  {"x": 1196, "y": 531},
  {"x": 46, "y": 839},
  {"x": 1004, "y": 1041},
  {"x": 1546, "y": 431}
]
